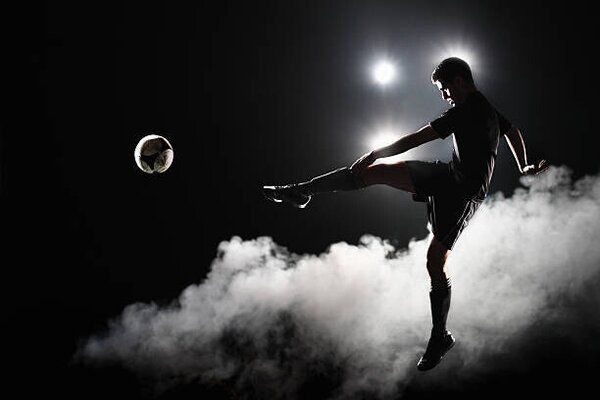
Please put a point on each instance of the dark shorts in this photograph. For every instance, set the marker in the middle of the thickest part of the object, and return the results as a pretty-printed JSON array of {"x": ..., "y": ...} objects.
[{"x": 449, "y": 209}]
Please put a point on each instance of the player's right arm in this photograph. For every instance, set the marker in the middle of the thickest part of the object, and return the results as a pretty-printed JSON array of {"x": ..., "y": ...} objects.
[
  {"x": 405, "y": 143},
  {"x": 515, "y": 141}
]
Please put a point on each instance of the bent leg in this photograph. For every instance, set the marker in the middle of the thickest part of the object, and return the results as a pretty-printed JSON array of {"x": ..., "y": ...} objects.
[
  {"x": 437, "y": 255},
  {"x": 441, "y": 340},
  {"x": 440, "y": 293}
]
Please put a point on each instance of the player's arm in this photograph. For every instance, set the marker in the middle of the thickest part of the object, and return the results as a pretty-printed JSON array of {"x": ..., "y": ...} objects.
[
  {"x": 517, "y": 146},
  {"x": 405, "y": 143}
]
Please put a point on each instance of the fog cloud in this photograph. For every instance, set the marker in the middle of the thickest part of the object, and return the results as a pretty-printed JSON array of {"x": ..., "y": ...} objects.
[{"x": 355, "y": 319}]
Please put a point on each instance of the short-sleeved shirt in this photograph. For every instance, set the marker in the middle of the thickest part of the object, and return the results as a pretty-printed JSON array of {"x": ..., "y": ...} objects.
[{"x": 477, "y": 127}]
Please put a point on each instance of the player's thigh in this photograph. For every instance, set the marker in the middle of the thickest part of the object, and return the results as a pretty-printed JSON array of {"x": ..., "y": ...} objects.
[{"x": 394, "y": 174}]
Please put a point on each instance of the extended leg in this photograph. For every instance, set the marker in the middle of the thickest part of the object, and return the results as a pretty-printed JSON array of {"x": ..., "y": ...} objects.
[
  {"x": 342, "y": 179},
  {"x": 395, "y": 175},
  {"x": 299, "y": 194},
  {"x": 441, "y": 340}
]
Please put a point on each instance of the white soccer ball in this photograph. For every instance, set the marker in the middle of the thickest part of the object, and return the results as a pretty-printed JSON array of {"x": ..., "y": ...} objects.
[{"x": 153, "y": 153}]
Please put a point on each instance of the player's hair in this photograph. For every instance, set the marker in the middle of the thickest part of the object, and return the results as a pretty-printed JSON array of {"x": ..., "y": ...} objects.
[{"x": 451, "y": 68}]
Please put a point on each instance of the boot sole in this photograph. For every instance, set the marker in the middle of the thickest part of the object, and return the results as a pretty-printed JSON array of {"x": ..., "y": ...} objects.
[
  {"x": 429, "y": 367},
  {"x": 269, "y": 189}
]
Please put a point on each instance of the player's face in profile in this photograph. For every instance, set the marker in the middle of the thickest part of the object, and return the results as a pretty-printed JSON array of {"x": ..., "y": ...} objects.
[{"x": 450, "y": 92}]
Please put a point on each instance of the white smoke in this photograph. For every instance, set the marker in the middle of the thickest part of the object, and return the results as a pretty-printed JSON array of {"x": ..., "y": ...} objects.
[{"x": 274, "y": 321}]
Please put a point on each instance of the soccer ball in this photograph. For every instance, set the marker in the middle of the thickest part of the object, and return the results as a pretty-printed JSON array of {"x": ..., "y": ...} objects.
[{"x": 153, "y": 153}]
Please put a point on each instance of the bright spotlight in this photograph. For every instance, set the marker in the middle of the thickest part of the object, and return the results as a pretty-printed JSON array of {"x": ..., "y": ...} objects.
[
  {"x": 384, "y": 72},
  {"x": 382, "y": 138}
]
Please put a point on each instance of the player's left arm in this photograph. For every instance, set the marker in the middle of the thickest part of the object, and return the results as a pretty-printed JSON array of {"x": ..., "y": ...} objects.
[
  {"x": 405, "y": 143},
  {"x": 515, "y": 141}
]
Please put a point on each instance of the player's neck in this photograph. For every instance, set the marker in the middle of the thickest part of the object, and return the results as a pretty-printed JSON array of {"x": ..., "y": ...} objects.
[{"x": 465, "y": 93}]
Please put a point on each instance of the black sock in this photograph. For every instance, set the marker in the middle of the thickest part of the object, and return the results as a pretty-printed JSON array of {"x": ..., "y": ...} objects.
[
  {"x": 439, "y": 297},
  {"x": 340, "y": 179}
]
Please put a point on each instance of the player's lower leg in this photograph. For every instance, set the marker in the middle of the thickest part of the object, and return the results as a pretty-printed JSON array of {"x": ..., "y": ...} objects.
[
  {"x": 341, "y": 179},
  {"x": 441, "y": 339},
  {"x": 299, "y": 194}
]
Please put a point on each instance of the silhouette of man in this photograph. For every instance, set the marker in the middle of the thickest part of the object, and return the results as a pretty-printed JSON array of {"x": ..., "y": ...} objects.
[{"x": 453, "y": 191}]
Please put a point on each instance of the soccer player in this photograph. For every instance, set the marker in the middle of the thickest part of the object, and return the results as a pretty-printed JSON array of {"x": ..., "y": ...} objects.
[{"x": 453, "y": 191}]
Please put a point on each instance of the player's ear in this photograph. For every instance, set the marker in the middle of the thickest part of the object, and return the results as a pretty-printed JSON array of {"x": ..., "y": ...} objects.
[{"x": 458, "y": 81}]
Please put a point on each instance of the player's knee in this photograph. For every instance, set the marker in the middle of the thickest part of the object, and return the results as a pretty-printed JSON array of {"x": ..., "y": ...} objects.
[
  {"x": 434, "y": 263},
  {"x": 436, "y": 258},
  {"x": 357, "y": 178},
  {"x": 373, "y": 174}
]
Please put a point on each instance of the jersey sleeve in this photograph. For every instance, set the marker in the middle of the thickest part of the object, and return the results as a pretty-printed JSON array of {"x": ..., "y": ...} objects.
[
  {"x": 445, "y": 123},
  {"x": 503, "y": 123}
]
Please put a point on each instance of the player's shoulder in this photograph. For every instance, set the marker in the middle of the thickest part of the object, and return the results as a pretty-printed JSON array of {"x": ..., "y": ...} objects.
[
  {"x": 477, "y": 97},
  {"x": 478, "y": 103}
]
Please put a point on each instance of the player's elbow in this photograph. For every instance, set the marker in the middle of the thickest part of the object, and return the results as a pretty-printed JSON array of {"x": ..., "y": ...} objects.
[{"x": 427, "y": 134}]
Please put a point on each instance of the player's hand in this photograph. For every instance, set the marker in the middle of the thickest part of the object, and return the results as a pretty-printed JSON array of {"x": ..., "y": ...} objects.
[
  {"x": 534, "y": 169},
  {"x": 363, "y": 162}
]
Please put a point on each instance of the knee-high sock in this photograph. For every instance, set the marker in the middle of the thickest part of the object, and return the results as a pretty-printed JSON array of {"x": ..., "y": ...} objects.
[
  {"x": 439, "y": 297},
  {"x": 339, "y": 179}
]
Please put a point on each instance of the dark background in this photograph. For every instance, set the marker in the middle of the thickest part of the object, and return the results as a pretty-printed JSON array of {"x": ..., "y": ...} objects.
[{"x": 248, "y": 93}]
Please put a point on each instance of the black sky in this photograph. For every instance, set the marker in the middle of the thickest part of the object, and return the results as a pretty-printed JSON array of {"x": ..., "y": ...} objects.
[{"x": 248, "y": 93}]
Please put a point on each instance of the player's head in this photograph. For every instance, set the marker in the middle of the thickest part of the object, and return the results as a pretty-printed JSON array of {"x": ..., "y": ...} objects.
[
  {"x": 452, "y": 68},
  {"x": 454, "y": 79}
]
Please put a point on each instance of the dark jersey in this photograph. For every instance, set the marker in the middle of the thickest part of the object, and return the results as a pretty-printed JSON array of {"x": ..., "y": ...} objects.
[{"x": 477, "y": 127}]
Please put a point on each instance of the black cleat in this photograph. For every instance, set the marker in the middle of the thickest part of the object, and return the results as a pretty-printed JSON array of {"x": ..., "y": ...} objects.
[
  {"x": 437, "y": 347},
  {"x": 288, "y": 194}
]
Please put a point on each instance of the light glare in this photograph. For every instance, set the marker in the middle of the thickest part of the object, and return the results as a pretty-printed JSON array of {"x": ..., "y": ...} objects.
[
  {"x": 382, "y": 138},
  {"x": 384, "y": 72},
  {"x": 459, "y": 50}
]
